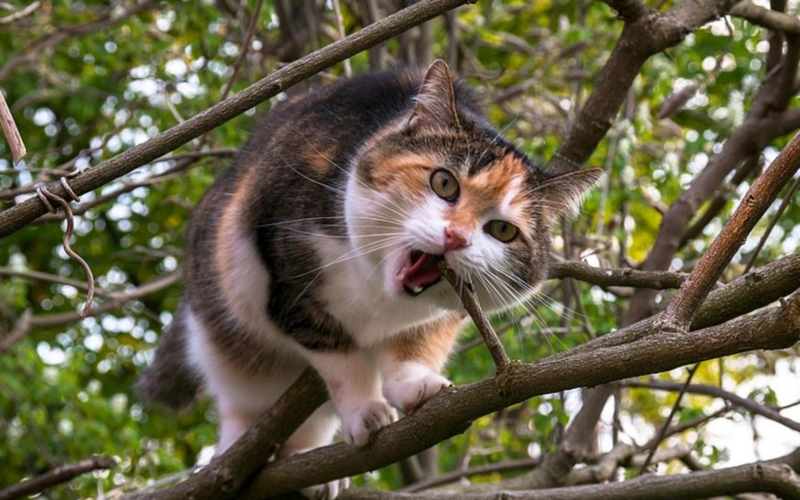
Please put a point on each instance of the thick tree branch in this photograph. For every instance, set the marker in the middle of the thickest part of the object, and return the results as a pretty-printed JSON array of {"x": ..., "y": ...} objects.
[
  {"x": 452, "y": 411},
  {"x": 776, "y": 21},
  {"x": 759, "y": 477},
  {"x": 748, "y": 293},
  {"x": 16, "y": 217},
  {"x": 226, "y": 474}
]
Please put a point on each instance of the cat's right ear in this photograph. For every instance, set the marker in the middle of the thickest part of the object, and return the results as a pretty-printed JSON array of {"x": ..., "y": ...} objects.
[{"x": 435, "y": 104}]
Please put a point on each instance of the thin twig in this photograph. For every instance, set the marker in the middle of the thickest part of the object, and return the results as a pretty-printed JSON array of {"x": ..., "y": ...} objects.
[
  {"x": 337, "y": 11},
  {"x": 663, "y": 431},
  {"x": 21, "y": 14},
  {"x": 56, "y": 476},
  {"x": 524, "y": 463},
  {"x": 11, "y": 131},
  {"x": 21, "y": 328},
  {"x": 245, "y": 47},
  {"x": 466, "y": 292},
  {"x": 787, "y": 200}
]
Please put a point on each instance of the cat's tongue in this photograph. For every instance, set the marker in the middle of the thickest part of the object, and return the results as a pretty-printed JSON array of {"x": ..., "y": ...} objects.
[{"x": 420, "y": 272}]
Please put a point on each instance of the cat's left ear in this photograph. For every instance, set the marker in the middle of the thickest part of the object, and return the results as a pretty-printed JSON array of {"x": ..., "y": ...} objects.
[
  {"x": 436, "y": 101},
  {"x": 563, "y": 193}
]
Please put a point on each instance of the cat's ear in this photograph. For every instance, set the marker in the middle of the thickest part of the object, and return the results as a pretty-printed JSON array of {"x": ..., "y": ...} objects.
[
  {"x": 435, "y": 104},
  {"x": 562, "y": 193}
]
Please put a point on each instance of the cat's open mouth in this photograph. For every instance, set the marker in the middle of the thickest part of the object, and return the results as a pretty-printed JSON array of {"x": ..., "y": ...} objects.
[{"x": 420, "y": 271}]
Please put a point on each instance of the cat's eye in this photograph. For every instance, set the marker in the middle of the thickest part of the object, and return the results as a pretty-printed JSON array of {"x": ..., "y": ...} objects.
[
  {"x": 502, "y": 230},
  {"x": 445, "y": 185}
]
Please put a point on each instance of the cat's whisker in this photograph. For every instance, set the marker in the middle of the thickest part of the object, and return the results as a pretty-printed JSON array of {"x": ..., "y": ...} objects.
[
  {"x": 343, "y": 220},
  {"x": 338, "y": 261},
  {"x": 321, "y": 184},
  {"x": 354, "y": 253}
]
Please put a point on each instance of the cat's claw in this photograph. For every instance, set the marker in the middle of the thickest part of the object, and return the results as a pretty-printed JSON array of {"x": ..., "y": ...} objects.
[
  {"x": 369, "y": 416},
  {"x": 327, "y": 491},
  {"x": 408, "y": 395}
]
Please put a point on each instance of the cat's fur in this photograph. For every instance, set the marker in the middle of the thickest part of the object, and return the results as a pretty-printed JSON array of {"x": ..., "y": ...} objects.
[{"x": 301, "y": 253}]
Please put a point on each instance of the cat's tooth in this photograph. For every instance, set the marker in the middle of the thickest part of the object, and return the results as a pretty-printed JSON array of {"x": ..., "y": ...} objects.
[{"x": 417, "y": 289}]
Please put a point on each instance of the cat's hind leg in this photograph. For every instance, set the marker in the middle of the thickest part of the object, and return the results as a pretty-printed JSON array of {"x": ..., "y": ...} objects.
[
  {"x": 412, "y": 362},
  {"x": 315, "y": 432}
]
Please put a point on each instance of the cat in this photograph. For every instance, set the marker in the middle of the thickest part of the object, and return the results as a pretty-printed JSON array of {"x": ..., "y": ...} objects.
[{"x": 320, "y": 246}]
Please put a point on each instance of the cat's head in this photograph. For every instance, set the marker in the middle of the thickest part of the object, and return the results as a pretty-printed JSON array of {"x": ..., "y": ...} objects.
[{"x": 440, "y": 183}]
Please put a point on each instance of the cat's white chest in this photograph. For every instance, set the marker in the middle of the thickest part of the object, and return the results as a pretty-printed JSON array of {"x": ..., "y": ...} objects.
[{"x": 354, "y": 294}]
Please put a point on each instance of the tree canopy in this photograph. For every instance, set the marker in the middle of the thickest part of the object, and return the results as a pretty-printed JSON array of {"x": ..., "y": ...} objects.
[{"x": 685, "y": 104}]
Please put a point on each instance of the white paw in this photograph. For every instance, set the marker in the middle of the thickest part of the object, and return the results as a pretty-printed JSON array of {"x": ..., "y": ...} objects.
[
  {"x": 410, "y": 394},
  {"x": 368, "y": 417},
  {"x": 327, "y": 491}
]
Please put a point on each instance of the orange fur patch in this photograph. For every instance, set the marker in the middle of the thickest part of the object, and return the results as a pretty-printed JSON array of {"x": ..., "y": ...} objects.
[
  {"x": 486, "y": 190},
  {"x": 429, "y": 344},
  {"x": 228, "y": 237},
  {"x": 319, "y": 161},
  {"x": 408, "y": 173}
]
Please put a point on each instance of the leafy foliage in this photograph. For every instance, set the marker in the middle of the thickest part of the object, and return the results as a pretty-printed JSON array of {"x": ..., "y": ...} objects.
[{"x": 66, "y": 387}]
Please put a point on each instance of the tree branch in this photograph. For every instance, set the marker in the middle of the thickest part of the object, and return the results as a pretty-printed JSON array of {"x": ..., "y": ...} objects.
[
  {"x": 717, "y": 392},
  {"x": 759, "y": 477},
  {"x": 18, "y": 216},
  {"x": 452, "y": 411},
  {"x": 657, "y": 280},
  {"x": 225, "y": 475},
  {"x": 56, "y": 476},
  {"x": 770, "y": 19}
]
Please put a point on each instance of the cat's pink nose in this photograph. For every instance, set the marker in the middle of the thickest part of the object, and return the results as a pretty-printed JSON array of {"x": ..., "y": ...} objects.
[{"x": 455, "y": 238}]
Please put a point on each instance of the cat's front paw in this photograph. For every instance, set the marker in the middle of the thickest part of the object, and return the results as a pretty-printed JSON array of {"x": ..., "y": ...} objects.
[
  {"x": 410, "y": 394},
  {"x": 327, "y": 491},
  {"x": 368, "y": 417}
]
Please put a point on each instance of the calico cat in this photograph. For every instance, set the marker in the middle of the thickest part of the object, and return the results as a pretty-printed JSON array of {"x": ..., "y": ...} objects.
[{"x": 320, "y": 246}]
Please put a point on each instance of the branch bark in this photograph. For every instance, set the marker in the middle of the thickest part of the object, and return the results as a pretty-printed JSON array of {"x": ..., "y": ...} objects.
[
  {"x": 779, "y": 480},
  {"x": 56, "y": 476}
]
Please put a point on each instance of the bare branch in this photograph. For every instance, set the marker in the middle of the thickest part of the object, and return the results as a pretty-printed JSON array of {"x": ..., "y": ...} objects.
[
  {"x": 11, "y": 131},
  {"x": 776, "y": 21},
  {"x": 466, "y": 293},
  {"x": 717, "y": 392},
  {"x": 56, "y": 476},
  {"x": 758, "y": 477},
  {"x": 21, "y": 328},
  {"x": 21, "y": 14},
  {"x": 657, "y": 280}
]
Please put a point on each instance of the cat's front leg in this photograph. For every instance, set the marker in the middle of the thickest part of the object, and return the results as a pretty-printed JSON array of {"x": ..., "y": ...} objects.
[
  {"x": 354, "y": 383},
  {"x": 412, "y": 362}
]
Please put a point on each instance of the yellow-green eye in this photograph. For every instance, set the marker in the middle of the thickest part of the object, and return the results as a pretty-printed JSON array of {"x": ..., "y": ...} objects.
[
  {"x": 445, "y": 185},
  {"x": 502, "y": 230}
]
